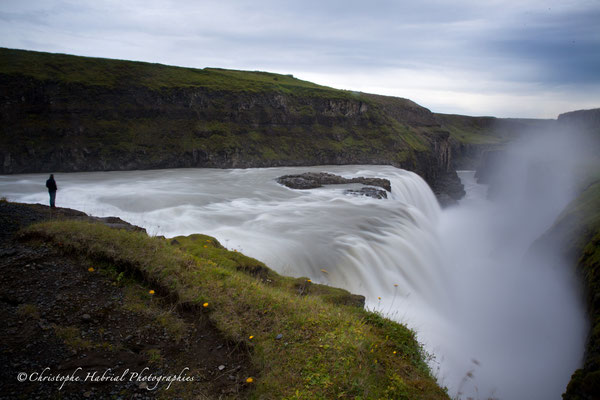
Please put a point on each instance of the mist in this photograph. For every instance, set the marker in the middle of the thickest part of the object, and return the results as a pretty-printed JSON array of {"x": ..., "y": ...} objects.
[{"x": 518, "y": 308}]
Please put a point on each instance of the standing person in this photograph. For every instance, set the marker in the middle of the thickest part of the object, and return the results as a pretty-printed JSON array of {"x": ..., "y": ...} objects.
[{"x": 51, "y": 185}]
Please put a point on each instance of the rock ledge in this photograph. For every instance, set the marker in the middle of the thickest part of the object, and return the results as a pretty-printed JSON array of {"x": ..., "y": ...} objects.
[{"x": 312, "y": 180}]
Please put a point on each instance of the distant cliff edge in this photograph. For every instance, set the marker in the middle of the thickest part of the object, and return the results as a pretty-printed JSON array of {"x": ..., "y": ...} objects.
[{"x": 63, "y": 113}]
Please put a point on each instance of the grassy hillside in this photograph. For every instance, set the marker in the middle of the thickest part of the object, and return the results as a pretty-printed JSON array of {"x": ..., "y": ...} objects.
[
  {"x": 63, "y": 113},
  {"x": 490, "y": 130},
  {"x": 69, "y": 113},
  {"x": 115, "y": 73},
  {"x": 473, "y": 136},
  {"x": 303, "y": 341}
]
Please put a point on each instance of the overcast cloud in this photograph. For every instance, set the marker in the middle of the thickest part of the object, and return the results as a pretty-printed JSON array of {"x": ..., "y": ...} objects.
[{"x": 505, "y": 58}]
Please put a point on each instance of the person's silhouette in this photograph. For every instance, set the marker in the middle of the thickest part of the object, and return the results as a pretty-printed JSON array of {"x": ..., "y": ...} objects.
[{"x": 51, "y": 185}]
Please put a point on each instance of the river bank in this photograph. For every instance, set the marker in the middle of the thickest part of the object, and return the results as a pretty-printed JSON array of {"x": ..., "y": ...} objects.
[
  {"x": 67, "y": 313},
  {"x": 110, "y": 293}
]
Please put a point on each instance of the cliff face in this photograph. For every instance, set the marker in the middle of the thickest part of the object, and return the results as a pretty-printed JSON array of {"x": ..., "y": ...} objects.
[
  {"x": 588, "y": 120},
  {"x": 472, "y": 137},
  {"x": 66, "y": 113}
]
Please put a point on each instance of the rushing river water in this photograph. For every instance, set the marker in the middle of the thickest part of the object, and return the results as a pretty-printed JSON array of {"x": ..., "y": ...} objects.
[{"x": 496, "y": 327}]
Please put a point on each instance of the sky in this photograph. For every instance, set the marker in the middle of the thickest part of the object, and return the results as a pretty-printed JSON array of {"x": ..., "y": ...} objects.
[{"x": 525, "y": 58}]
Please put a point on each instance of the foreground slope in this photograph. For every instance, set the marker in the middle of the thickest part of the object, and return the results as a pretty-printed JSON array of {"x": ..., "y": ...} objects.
[{"x": 294, "y": 339}]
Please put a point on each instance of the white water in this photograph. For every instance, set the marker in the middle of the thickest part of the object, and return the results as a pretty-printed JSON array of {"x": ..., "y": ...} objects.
[{"x": 451, "y": 276}]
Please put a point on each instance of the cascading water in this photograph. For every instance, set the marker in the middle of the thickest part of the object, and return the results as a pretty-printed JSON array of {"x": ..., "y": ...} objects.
[{"x": 411, "y": 261}]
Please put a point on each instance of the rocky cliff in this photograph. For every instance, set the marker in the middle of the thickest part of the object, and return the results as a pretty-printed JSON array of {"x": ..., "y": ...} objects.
[
  {"x": 64, "y": 113},
  {"x": 474, "y": 136},
  {"x": 67, "y": 113},
  {"x": 588, "y": 120}
]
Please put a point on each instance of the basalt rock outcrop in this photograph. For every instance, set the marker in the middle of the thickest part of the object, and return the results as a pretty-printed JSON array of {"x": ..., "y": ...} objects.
[
  {"x": 312, "y": 180},
  {"x": 474, "y": 136}
]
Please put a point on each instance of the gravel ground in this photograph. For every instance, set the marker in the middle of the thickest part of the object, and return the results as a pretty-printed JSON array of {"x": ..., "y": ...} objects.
[{"x": 60, "y": 320}]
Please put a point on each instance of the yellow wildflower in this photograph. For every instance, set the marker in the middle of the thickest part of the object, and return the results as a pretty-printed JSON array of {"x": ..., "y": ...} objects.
[
  {"x": 91, "y": 269},
  {"x": 151, "y": 292},
  {"x": 249, "y": 380},
  {"x": 205, "y": 305}
]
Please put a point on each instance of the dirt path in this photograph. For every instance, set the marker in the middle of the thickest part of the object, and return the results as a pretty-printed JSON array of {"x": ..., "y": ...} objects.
[{"x": 64, "y": 316}]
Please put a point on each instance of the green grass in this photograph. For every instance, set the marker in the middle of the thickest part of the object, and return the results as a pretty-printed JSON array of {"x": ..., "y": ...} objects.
[
  {"x": 139, "y": 300},
  {"x": 115, "y": 73},
  {"x": 28, "y": 310},
  {"x": 464, "y": 135},
  {"x": 471, "y": 130},
  {"x": 71, "y": 336},
  {"x": 326, "y": 350},
  {"x": 490, "y": 130},
  {"x": 105, "y": 114}
]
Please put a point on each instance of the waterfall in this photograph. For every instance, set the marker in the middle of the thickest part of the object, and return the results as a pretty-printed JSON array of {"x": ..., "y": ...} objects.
[{"x": 452, "y": 276}]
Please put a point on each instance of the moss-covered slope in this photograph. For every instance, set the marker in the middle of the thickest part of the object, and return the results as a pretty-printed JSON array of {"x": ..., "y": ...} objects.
[
  {"x": 302, "y": 346},
  {"x": 68, "y": 113}
]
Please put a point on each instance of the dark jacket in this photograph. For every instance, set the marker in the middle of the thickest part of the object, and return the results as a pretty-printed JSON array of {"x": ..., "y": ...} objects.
[{"x": 51, "y": 185}]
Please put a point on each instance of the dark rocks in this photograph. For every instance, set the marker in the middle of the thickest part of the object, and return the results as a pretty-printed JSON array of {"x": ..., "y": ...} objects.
[
  {"x": 7, "y": 252},
  {"x": 311, "y": 180},
  {"x": 445, "y": 200},
  {"x": 27, "y": 214},
  {"x": 369, "y": 192},
  {"x": 58, "y": 315},
  {"x": 448, "y": 189},
  {"x": 304, "y": 181}
]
